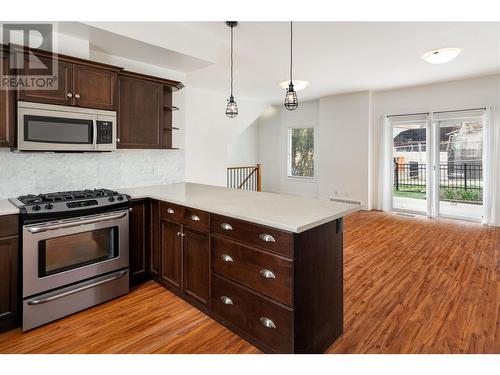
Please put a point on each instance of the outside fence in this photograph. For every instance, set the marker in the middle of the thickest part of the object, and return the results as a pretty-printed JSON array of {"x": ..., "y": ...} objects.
[{"x": 458, "y": 182}]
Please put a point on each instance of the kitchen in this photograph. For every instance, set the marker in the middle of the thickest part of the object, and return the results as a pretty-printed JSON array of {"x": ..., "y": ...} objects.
[{"x": 248, "y": 187}]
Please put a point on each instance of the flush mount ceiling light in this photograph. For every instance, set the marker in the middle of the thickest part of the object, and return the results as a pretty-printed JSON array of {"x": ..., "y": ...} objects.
[
  {"x": 291, "y": 101},
  {"x": 232, "y": 107},
  {"x": 441, "y": 55},
  {"x": 298, "y": 84}
]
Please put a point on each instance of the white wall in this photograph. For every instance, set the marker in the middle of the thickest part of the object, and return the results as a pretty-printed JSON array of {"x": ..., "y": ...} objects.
[
  {"x": 273, "y": 146},
  {"x": 244, "y": 149},
  {"x": 209, "y": 132},
  {"x": 462, "y": 94},
  {"x": 343, "y": 147}
]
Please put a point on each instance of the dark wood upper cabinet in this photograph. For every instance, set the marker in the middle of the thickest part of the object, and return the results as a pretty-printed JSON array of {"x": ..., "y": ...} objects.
[
  {"x": 171, "y": 256},
  {"x": 196, "y": 265},
  {"x": 137, "y": 241},
  {"x": 7, "y": 109},
  {"x": 63, "y": 95},
  {"x": 139, "y": 113},
  {"x": 94, "y": 87}
]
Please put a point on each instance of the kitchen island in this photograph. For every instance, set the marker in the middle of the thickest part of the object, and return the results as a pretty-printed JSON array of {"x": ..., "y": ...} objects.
[{"x": 268, "y": 266}]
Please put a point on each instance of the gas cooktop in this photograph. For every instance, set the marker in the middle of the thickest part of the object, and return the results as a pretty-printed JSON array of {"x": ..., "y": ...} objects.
[{"x": 70, "y": 203}]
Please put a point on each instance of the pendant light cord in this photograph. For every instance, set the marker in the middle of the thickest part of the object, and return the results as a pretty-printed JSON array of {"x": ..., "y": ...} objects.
[
  {"x": 232, "y": 61},
  {"x": 291, "y": 50}
]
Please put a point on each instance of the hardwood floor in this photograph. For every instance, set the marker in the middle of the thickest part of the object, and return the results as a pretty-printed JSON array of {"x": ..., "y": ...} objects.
[{"x": 412, "y": 285}]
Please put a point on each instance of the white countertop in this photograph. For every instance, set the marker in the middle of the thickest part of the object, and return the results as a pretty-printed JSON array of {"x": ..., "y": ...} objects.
[
  {"x": 282, "y": 211},
  {"x": 7, "y": 208}
]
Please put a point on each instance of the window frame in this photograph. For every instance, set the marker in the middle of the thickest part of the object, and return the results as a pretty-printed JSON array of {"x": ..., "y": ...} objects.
[{"x": 289, "y": 154}]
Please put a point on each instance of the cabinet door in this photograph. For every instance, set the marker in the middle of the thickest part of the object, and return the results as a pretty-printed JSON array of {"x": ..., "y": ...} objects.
[
  {"x": 137, "y": 242},
  {"x": 62, "y": 95},
  {"x": 7, "y": 108},
  {"x": 139, "y": 113},
  {"x": 8, "y": 282},
  {"x": 154, "y": 230},
  {"x": 170, "y": 270},
  {"x": 94, "y": 87},
  {"x": 196, "y": 265}
]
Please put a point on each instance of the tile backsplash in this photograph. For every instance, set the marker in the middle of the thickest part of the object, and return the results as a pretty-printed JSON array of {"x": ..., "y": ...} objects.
[{"x": 24, "y": 173}]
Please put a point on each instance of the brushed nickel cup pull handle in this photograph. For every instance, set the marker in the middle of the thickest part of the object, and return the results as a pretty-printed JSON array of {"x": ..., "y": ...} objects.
[
  {"x": 170, "y": 211},
  {"x": 226, "y": 226},
  {"x": 69, "y": 95},
  {"x": 227, "y": 258},
  {"x": 267, "y": 237},
  {"x": 268, "y": 323},
  {"x": 226, "y": 300},
  {"x": 195, "y": 218},
  {"x": 77, "y": 96},
  {"x": 267, "y": 274}
]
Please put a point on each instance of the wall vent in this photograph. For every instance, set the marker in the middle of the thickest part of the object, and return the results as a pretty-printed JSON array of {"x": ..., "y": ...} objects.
[{"x": 345, "y": 201}]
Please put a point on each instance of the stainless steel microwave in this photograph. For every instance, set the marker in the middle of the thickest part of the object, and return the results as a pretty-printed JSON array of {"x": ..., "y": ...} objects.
[{"x": 46, "y": 127}]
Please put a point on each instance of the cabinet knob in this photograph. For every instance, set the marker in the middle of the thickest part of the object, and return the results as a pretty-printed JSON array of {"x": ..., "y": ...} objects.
[
  {"x": 267, "y": 274},
  {"x": 267, "y": 237},
  {"x": 226, "y": 300},
  {"x": 195, "y": 218},
  {"x": 226, "y": 226},
  {"x": 268, "y": 323},
  {"x": 227, "y": 258},
  {"x": 69, "y": 95},
  {"x": 170, "y": 211},
  {"x": 117, "y": 139},
  {"x": 77, "y": 96},
  {"x": 179, "y": 234}
]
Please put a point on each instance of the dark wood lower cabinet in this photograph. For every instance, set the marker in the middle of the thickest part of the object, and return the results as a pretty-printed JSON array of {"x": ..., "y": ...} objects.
[
  {"x": 9, "y": 272},
  {"x": 281, "y": 291},
  {"x": 171, "y": 257},
  {"x": 138, "y": 241},
  {"x": 196, "y": 265}
]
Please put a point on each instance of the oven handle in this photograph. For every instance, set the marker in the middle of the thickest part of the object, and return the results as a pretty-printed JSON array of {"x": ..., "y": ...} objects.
[
  {"x": 76, "y": 290},
  {"x": 76, "y": 223}
]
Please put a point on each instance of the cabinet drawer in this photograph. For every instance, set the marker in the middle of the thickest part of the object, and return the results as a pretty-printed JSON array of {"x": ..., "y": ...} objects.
[
  {"x": 266, "y": 273},
  {"x": 196, "y": 219},
  {"x": 262, "y": 319},
  {"x": 253, "y": 234},
  {"x": 170, "y": 211},
  {"x": 9, "y": 225}
]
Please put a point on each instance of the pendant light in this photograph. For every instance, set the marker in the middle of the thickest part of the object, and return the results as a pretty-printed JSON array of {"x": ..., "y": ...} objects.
[
  {"x": 232, "y": 107},
  {"x": 291, "y": 101}
]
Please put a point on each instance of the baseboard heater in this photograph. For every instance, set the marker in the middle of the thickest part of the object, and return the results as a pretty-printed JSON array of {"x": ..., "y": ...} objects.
[{"x": 345, "y": 201}]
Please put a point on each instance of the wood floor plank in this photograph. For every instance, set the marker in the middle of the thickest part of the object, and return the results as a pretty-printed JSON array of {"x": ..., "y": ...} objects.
[{"x": 411, "y": 285}]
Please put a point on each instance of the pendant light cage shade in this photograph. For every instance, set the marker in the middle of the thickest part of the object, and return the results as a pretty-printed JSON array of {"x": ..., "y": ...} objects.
[
  {"x": 231, "y": 108},
  {"x": 291, "y": 101}
]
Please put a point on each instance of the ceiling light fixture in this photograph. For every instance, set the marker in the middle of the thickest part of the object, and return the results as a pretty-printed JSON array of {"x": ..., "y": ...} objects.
[
  {"x": 232, "y": 107},
  {"x": 291, "y": 101},
  {"x": 298, "y": 84},
  {"x": 441, "y": 55}
]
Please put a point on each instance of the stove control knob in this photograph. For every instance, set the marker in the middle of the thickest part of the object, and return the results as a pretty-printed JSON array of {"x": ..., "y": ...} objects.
[
  {"x": 49, "y": 206},
  {"x": 120, "y": 197},
  {"x": 36, "y": 207},
  {"x": 111, "y": 199}
]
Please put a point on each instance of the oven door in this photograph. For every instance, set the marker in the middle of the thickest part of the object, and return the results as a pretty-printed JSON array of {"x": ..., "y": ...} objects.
[{"x": 60, "y": 253}]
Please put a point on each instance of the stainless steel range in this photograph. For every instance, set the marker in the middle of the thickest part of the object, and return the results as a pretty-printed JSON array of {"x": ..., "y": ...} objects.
[{"x": 75, "y": 252}]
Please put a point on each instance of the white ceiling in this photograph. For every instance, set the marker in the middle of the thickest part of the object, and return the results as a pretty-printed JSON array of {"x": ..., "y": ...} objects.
[{"x": 337, "y": 57}]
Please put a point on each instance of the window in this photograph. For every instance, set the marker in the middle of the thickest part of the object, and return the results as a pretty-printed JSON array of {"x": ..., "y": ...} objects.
[{"x": 301, "y": 152}]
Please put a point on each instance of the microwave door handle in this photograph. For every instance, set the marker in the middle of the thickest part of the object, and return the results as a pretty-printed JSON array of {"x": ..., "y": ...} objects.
[{"x": 94, "y": 134}]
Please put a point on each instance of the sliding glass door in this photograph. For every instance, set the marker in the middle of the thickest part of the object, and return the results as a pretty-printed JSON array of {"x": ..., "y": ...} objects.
[
  {"x": 459, "y": 165},
  {"x": 410, "y": 165},
  {"x": 437, "y": 164}
]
